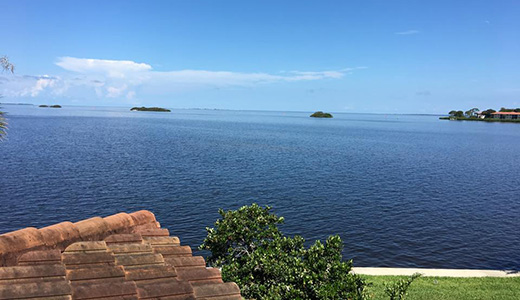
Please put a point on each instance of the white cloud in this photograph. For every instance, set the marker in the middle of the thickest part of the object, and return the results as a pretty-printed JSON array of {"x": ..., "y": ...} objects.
[
  {"x": 407, "y": 32},
  {"x": 122, "y": 78},
  {"x": 113, "y": 68},
  {"x": 115, "y": 92},
  {"x": 42, "y": 84}
]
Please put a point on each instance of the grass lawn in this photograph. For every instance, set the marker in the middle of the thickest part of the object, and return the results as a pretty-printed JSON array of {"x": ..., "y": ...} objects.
[{"x": 444, "y": 288}]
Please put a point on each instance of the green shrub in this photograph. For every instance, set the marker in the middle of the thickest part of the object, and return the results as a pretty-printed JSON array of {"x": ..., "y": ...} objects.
[
  {"x": 251, "y": 250},
  {"x": 398, "y": 290}
]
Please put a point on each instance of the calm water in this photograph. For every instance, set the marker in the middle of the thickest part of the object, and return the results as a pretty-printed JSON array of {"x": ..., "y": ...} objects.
[{"x": 402, "y": 191}]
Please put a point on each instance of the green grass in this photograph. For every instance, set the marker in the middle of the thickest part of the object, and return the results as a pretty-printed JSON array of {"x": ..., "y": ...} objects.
[{"x": 446, "y": 288}]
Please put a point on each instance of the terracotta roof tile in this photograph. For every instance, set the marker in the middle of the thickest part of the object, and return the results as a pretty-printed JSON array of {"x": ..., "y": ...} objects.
[
  {"x": 228, "y": 290},
  {"x": 31, "y": 272},
  {"x": 173, "y": 251},
  {"x": 153, "y": 232},
  {"x": 151, "y": 272},
  {"x": 172, "y": 289},
  {"x": 87, "y": 247},
  {"x": 35, "y": 290},
  {"x": 92, "y": 229},
  {"x": 200, "y": 275},
  {"x": 130, "y": 248},
  {"x": 139, "y": 259},
  {"x": 143, "y": 217},
  {"x": 59, "y": 233},
  {"x": 162, "y": 240},
  {"x": 42, "y": 257},
  {"x": 126, "y": 289},
  {"x": 22, "y": 239},
  {"x": 186, "y": 262},
  {"x": 77, "y": 260},
  {"x": 96, "y": 273},
  {"x": 506, "y": 113},
  {"x": 136, "y": 260},
  {"x": 138, "y": 228},
  {"x": 124, "y": 238},
  {"x": 119, "y": 222}
]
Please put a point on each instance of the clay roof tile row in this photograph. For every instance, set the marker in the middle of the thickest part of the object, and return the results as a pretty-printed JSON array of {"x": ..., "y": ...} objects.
[{"x": 124, "y": 256}]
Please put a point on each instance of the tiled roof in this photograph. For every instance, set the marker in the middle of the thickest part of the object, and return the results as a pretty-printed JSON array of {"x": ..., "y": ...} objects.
[
  {"x": 120, "y": 257},
  {"x": 506, "y": 113}
]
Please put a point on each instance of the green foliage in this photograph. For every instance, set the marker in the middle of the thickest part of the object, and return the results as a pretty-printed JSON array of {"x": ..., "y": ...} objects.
[
  {"x": 399, "y": 289},
  {"x": 5, "y": 65},
  {"x": 320, "y": 114},
  {"x": 488, "y": 112},
  {"x": 3, "y": 126},
  {"x": 456, "y": 113},
  {"x": 142, "y": 108},
  {"x": 503, "y": 109},
  {"x": 471, "y": 112},
  {"x": 251, "y": 250}
]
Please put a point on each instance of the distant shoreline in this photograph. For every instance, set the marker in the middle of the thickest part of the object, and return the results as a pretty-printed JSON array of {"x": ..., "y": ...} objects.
[
  {"x": 252, "y": 110},
  {"x": 478, "y": 119}
]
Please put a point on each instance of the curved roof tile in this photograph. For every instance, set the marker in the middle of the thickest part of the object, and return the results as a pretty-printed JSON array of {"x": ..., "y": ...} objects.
[{"x": 124, "y": 256}]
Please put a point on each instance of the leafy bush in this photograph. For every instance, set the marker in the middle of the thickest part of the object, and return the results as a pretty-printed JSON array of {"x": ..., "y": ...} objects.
[
  {"x": 398, "y": 290},
  {"x": 251, "y": 250}
]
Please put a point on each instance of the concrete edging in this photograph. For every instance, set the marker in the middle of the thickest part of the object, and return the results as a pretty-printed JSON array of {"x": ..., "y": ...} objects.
[{"x": 435, "y": 272}]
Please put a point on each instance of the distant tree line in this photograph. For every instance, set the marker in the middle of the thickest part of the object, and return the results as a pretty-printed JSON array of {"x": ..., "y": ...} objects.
[
  {"x": 474, "y": 111},
  {"x": 503, "y": 109}
]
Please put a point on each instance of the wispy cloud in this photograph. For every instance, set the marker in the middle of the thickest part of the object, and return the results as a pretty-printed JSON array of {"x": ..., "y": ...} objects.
[
  {"x": 124, "y": 79},
  {"x": 113, "y": 68},
  {"x": 407, "y": 32}
]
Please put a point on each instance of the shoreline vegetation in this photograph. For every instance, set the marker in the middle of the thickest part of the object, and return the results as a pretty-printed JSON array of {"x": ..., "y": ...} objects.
[
  {"x": 142, "y": 108},
  {"x": 479, "y": 119},
  {"x": 507, "y": 115},
  {"x": 320, "y": 114}
]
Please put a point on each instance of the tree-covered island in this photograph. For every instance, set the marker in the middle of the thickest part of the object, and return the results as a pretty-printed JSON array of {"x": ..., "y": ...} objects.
[
  {"x": 142, "y": 108},
  {"x": 51, "y": 106},
  {"x": 320, "y": 114}
]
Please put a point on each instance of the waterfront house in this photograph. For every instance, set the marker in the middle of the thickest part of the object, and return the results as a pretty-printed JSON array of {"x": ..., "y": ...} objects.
[
  {"x": 506, "y": 115},
  {"x": 481, "y": 115}
]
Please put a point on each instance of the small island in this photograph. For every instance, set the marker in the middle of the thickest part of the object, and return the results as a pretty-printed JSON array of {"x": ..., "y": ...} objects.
[
  {"x": 142, "y": 108},
  {"x": 320, "y": 114},
  {"x": 51, "y": 106}
]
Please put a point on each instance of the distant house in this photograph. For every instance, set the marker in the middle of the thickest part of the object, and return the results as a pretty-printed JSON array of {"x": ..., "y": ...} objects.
[
  {"x": 506, "y": 115},
  {"x": 481, "y": 115}
]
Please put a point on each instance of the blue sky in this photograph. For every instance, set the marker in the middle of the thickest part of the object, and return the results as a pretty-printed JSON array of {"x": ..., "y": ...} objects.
[{"x": 353, "y": 56}]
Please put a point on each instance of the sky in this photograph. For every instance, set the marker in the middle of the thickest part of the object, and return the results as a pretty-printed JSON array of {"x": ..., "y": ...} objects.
[{"x": 339, "y": 56}]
